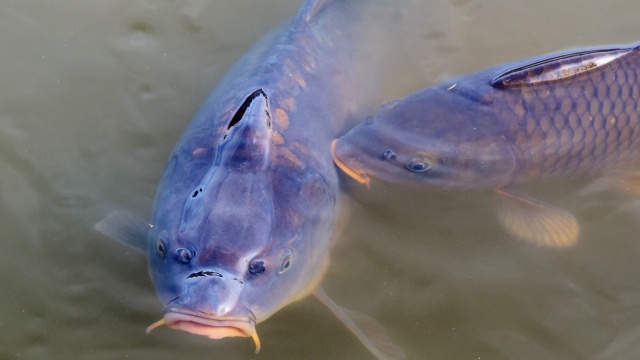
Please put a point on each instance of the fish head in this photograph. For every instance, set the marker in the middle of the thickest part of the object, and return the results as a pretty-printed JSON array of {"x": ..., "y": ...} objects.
[
  {"x": 433, "y": 137},
  {"x": 249, "y": 237}
]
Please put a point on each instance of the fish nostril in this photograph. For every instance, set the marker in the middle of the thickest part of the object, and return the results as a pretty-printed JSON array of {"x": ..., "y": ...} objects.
[
  {"x": 389, "y": 155},
  {"x": 256, "y": 267},
  {"x": 184, "y": 255},
  {"x": 204, "y": 274}
]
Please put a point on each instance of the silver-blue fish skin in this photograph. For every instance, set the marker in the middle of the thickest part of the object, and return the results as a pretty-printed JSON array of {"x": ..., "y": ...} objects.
[
  {"x": 564, "y": 115},
  {"x": 244, "y": 215}
]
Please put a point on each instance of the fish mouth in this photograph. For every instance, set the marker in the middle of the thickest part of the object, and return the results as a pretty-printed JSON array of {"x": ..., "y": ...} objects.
[
  {"x": 358, "y": 175},
  {"x": 211, "y": 327}
]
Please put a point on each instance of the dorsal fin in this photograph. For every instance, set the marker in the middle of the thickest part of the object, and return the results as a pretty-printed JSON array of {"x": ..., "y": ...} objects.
[{"x": 558, "y": 67}]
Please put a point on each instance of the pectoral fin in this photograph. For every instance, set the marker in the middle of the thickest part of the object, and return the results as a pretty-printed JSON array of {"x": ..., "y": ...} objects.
[
  {"x": 366, "y": 329},
  {"x": 535, "y": 221},
  {"x": 125, "y": 227}
]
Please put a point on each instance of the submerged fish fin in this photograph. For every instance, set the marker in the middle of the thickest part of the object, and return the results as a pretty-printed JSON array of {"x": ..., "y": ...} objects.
[
  {"x": 125, "y": 227},
  {"x": 564, "y": 66},
  {"x": 372, "y": 335},
  {"x": 535, "y": 221},
  {"x": 629, "y": 183}
]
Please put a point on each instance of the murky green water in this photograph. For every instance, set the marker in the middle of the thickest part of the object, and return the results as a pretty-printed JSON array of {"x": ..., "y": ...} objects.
[{"x": 94, "y": 95}]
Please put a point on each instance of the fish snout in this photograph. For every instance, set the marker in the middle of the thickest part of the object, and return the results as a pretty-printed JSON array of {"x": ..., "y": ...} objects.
[
  {"x": 211, "y": 306},
  {"x": 211, "y": 292},
  {"x": 341, "y": 156}
]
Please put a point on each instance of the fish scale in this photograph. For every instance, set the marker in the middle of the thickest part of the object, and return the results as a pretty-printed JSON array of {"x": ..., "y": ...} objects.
[
  {"x": 569, "y": 114},
  {"x": 576, "y": 125}
]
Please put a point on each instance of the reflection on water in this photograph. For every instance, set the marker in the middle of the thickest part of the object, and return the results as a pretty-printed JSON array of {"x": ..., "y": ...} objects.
[{"x": 95, "y": 94}]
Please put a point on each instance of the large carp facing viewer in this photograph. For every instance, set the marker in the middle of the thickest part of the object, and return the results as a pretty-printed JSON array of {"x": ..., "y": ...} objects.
[
  {"x": 565, "y": 115},
  {"x": 244, "y": 215}
]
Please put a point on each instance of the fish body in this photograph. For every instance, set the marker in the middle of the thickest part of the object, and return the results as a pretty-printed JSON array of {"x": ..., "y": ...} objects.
[
  {"x": 244, "y": 215},
  {"x": 565, "y": 115}
]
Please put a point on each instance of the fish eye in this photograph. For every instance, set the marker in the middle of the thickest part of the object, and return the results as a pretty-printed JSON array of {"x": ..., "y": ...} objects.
[
  {"x": 162, "y": 250},
  {"x": 389, "y": 155},
  {"x": 286, "y": 262},
  {"x": 184, "y": 255},
  {"x": 418, "y": 164},
  {"x": 256, "y": 267},
  {"x": 160, "y": 243}
]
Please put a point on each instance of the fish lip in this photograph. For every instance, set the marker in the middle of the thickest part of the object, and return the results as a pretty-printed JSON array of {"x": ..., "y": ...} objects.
[
  {"x": 210, "y": 326},
  {"x": 358, "y": 175}
]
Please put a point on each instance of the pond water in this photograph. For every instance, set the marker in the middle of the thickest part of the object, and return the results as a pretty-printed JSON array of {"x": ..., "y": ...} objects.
[{"x": 95, "y": 94}]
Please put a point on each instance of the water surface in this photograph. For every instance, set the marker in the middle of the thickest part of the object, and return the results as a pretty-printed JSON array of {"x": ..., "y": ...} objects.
[{"x": 96, "y": 93}]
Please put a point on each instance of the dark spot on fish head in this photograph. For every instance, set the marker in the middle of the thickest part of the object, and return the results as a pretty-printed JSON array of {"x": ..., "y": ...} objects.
[
  {"x": 196, "y": 192},
  {"x": 204, "y": 274}
]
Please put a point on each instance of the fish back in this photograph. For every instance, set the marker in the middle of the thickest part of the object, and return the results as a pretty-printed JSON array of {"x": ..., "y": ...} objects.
[{"x": 574, "y": 113}]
